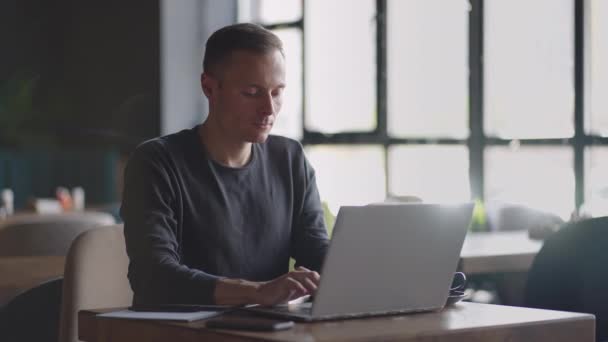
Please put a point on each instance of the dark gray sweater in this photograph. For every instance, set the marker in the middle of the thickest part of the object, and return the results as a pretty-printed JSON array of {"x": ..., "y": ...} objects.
[{"x": 189, "y": 220}]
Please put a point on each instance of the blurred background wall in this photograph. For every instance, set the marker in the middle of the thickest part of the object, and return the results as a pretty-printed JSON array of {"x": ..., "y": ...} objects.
[{"x": 83, "y": 82}]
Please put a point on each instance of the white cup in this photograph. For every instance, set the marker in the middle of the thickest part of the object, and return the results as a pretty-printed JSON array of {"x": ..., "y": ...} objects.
[{"x": 7, "y": 198}]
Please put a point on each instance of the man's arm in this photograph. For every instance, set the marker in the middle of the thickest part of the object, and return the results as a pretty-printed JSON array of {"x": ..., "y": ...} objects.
[
  {"x": 309, "y": 234},
  {"x": 151, "y": 215},
  {"x": 289, "y": 286}
]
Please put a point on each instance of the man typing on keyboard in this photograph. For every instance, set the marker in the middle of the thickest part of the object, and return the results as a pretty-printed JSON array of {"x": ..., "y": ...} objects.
[{"x": 213, "y": 213}]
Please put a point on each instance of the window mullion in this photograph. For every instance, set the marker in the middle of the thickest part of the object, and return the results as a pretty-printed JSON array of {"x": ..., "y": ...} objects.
[
  {"x": 476, "y": 134},
  {"x": 579, "y": 134}
]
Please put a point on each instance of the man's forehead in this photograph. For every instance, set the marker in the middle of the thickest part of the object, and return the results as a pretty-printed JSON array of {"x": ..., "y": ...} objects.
[
  {"x": 252, "y": 67},
  {"x": 247, "y": 58}
]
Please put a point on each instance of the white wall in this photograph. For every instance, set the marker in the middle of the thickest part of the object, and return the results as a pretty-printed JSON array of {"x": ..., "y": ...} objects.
[{"x": 185, "y": 27}]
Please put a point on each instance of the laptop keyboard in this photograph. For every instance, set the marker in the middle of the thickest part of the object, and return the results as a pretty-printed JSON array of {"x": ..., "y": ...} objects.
[{"x": 304, "y": 308}]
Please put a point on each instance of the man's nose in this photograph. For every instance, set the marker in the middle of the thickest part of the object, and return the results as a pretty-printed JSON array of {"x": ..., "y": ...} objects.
[{"x": 267, "y": 105}]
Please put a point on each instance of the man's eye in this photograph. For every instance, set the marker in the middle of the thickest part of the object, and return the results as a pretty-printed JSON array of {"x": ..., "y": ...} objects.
[{"x": 250, "y": 92}]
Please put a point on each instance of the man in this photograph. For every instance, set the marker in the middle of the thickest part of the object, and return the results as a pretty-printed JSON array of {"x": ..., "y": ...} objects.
[{"x": 213, "y": 214}]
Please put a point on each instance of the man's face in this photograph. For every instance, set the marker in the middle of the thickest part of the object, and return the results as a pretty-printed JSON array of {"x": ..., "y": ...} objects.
[{"x": 245, "y": 94}]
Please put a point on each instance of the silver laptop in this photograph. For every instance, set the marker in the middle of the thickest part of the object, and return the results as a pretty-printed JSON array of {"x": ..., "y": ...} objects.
[{"x": 386, "y": 259}]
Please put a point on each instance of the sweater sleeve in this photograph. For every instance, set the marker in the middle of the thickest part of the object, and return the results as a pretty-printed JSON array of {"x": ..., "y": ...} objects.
[
  {"x": 151, "y": 213},
  {"x": 309, "y": 237}
]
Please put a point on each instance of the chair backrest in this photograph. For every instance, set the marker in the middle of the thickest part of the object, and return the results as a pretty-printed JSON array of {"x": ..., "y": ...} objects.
[
  {"x": 33, "y": 315},
  {"x": 95, "y": 277},
  {"x": 570, "y": 273},
  {"x": 503, "y": 216},
  {"x": 38, "y": 235}
]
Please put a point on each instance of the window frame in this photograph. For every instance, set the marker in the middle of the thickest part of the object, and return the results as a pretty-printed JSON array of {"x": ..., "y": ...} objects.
[{"x": 477, "y": 140}]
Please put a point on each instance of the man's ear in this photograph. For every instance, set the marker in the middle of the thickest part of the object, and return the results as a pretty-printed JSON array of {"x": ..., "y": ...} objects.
[{"x": 209, "y": 85}]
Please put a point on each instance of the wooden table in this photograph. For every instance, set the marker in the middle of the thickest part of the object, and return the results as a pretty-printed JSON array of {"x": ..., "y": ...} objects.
[
  {"x": 18, "y": 274},
  {"x": 462, "y": 322},
  {"x": 88, "y": 217},
  {"x": 494, "y": 252}
]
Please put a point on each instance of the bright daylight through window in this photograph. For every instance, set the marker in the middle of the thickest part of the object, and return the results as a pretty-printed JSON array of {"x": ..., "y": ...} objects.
[{"x": 386, "y": 101}]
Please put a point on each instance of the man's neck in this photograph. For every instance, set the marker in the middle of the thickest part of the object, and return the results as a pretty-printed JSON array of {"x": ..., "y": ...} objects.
[{"x": 221, "y": 148}]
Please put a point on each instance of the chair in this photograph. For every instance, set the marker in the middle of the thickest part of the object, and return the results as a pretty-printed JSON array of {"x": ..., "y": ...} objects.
[
  {"x": 503, "y": 216},
  {"x": 18, "y": 274},
  {"x": 570, "y": 274},
  {"x": 37, "y": 235},
  {"x": 507, "y": 217},
  {"x": 95, "y": 277},
  {"x": 33, "y": 315}
]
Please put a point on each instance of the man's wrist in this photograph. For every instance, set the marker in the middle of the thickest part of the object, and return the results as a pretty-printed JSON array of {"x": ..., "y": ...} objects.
[{"x": 235, "y": 291}]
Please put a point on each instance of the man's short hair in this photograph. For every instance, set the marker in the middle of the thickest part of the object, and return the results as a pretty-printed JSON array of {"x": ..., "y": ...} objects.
[{"x": 246, "y": 36}]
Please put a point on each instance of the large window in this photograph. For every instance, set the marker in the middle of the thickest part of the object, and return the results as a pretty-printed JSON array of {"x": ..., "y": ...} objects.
[
  {"x": 448, "y": 100},
  {"x": 427, "y": 92},
  {"x": 340, "y": 60},
  {"x": 528, "y": 69}
]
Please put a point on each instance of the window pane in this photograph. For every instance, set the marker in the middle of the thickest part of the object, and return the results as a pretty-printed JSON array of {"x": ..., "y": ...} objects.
[
  {"x": 596, "y": 182},
  {"x": 528, "y": 70},
  {"x": 538, "y": 177},
  {"x": 421, "y": 171},
  {"x": 269, "y": 11},
  {"x": 597, "y": 69},
  {"x": 349, "y": 175},
  {"x": 280, "y": 11},
  {"x": 427, "y": 56},
  {"x": 289, "y": 121},
  {"x": 340, "y": 65}
]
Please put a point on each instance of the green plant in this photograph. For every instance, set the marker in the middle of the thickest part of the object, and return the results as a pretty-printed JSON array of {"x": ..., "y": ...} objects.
[
  {"x": 479, "y": 219},
  {"x": 16, "y": 106}
]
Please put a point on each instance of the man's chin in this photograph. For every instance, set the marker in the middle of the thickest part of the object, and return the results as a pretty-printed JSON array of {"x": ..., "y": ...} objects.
[{"x": 259, "y": 138}]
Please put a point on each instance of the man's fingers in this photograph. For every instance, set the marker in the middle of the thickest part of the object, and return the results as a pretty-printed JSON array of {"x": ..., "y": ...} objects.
[
  {"x": 287, "y": 289},
  {"x": 296, "y": 285},
  {"x": 302, "y": 275},
  {"x": 308, "y": 282},
  {"x": 314, "y": 274},
  {"x": 289, "y": 286},
  {"x": 285, "y": 296},
  {"x": 310, "y": 285},
  {"x": 293, "y": 289}
]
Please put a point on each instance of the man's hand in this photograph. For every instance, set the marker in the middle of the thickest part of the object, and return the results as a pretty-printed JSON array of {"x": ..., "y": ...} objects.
[{"x": 294, "y": 284}]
